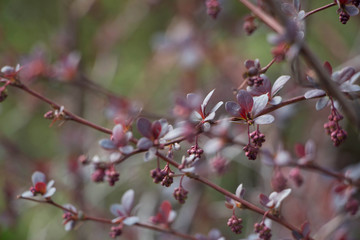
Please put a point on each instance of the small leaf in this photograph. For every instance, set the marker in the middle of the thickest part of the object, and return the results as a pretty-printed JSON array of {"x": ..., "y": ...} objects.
[
  {"x": 127, "y": 200},
  {"x": 49, "y": 192},
  {"x": 264, "y": 119},
  {"x": 240, "y": 191},
  {"x": 117, "y": 132},
  {"x": 144, "y": 127},
  {"x": 150, "y": 154},
  {"x": 275, "y": 100},
  {"x": 314, "y": 93},
  {"x": 351, "y": 10},
  {"x": 210, "y": 117},
  {"x": 345, "y": 74},
  {"x": 355, "y": 77},
  {"x": 348, "y": 87},
  {"x": 245, "y": 100},
  {"x": 206, "y": 101},
  {"x": 297, "y": 5},
  {"x": 27, "y": 194},
  {"x": 144, "y": 143},
  {"x": 107, "y": 144},
  {"x": 126, "y": 149},
  {"x": 233, "y": 109},
  {"x": 322, "y": 102},
  {"x": 175, "y": 133},
  {"x": 38, "y": 177},
  {"x": 259, "y": 104},
  {"x": 217, "y": 106},
  {"x": 129, "y": 221},
  {"x": 117, "y": 210},
  {"x": 279, "y": 84}
]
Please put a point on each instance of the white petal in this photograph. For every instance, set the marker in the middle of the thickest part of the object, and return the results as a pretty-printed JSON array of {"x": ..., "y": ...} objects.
[
  {"x": 240, "y": 191},
  {"x": 69, "y": 225},
  {"x": 38, "y": 177},
  {"x": 275, "y": 100},
  {"x": 322, "y": 102},
  {"x": 172, "y": 216},
  {"x": 216, "y": 107}
]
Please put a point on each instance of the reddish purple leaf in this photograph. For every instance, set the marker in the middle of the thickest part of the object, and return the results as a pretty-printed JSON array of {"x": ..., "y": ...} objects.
[
  {"x": 264, "y": 88},
  {"x": 165, "y": 210},
  {"x": 245, "y": 101},
  {"x": 299, "y": 150},
  {"x": 144, "y": 127},
  {"x": 156, "y": 129},
  {"x": 328, "y": 67}
]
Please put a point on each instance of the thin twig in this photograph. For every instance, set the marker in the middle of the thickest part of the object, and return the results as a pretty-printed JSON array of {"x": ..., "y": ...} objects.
[{"x": 319, "y": 9}]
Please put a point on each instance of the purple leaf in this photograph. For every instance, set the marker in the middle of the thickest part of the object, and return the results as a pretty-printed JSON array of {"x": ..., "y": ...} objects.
[
  {"x": 193, "y": 100},
  {"x": 165, "y": 209},
  {"x": 259, "y": 104},
  {"x": 351, "y": 10},
  {"x": 127, "y": 200},
  {"x": 264, "y": 119},
  {"x": 107, "y": 144},
  {"x": 233, "y": 109},
  {"x": 144, "y": 143},
  {"x": 279, "y": 84},
  {"x": 38, "y": 177},
  {"x": 322, "y": 102},
  {"x": 144, "y": 126},
  {"x": 264, "y": 199},
  {"x": 314, "y": 93},
  {"x": 305, "y": 228},
  {"x": 245, "y": 101}
]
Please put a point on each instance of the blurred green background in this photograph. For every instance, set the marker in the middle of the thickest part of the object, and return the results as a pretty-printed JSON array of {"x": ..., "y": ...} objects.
[{"x": 146, "y": 52}]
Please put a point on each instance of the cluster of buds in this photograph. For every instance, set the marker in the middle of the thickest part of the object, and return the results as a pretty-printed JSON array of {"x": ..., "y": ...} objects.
[
  {"x": 257, "y": 138},
  {"x": 162, "y": 175},
  {"x": 252, "y": 75},
  {"x": 196, "y": 151},
  {"x": 346, "y": 9},
  {"x": 249, "y": 24},
  {"x": 296, "y": 177},
  {"x": 180, "y": 194},
  {"x": 352, "y": 206},
  {"x": 251, "y": 152},
  {"x": 112, "y": 175},
  {"x": 219, "y": 164},
  {"x": 332, "y": 127},
  {"x": 344, "y": 17},
  {"x": 278, "y": 181},
  {"x": 235, "y": 224},
  {"x": 213, "y": 8},
  {"x": 102, "y": 171},
  {"x": 263, "y": 231},
  {"x": 116, "y": 231}
]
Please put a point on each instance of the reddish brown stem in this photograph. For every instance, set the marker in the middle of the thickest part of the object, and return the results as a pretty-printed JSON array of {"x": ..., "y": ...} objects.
[
  {"x": 69, "y": 115},
  {"x": 319, "y": 9},
  {"x": 245, "y": 203},
  {"x": 109, "y": 221}
]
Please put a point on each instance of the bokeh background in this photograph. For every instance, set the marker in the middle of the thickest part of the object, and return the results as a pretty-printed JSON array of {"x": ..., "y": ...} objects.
[{"x": 98, "y": 58}]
